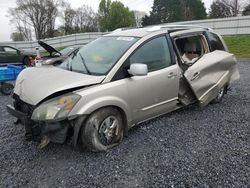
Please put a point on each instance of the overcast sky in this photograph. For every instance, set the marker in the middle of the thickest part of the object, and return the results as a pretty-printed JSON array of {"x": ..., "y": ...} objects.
[{"x": 7, "y": 28}]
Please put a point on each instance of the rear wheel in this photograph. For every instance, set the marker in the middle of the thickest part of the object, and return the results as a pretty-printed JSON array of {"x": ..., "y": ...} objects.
[
  {"x": 220, "y": 95},
  {"x": 102, "y": 130},
  {"x": 6, "y": 88}
]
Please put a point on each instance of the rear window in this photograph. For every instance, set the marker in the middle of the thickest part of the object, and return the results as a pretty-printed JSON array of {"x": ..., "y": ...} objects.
[{"x": 214, "y": 42}]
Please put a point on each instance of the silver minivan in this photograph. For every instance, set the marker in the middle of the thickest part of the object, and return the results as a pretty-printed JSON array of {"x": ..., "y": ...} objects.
[{"x": 119, "y": 80}]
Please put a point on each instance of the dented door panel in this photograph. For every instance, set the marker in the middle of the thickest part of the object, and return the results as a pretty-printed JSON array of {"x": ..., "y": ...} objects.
[{"x": 210, "y": 73}]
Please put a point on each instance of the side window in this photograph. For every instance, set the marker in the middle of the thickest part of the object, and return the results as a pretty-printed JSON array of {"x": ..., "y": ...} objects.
[
  {"x": 215, "y": 42},
  {"x": 10, "y": 50},
  {"x": 154, "y": 53}
]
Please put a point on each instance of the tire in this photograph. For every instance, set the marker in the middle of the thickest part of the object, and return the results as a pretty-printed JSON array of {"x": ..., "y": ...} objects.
[
  {"x": 26, "y": 61},
  {"x": 102, "y": 130},
  {"x": 7, "y": 88},
  {"x": 220, "y": 95}
]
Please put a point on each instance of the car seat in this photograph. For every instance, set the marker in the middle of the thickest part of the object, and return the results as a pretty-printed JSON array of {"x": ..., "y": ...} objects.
[{"x": 190, "y": 52}]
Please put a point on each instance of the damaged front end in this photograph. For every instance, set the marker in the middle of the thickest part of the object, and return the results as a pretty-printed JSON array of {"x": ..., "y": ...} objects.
[{"x": 47, "y": 122}]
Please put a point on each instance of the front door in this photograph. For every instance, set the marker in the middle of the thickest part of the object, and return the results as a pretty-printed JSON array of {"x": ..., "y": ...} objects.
[
  {"x": 157, "y": 92},
  {"x": 3, "y": 58},
  {"x": 12, "y": 55}
]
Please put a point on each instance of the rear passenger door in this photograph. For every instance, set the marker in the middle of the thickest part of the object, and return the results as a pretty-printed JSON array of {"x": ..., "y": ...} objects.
[
  {"x": 209, "y": 74},
  {"x": 212, "y": 71}
]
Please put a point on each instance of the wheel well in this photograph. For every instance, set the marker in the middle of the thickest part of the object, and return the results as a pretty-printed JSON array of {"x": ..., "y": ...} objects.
[
  {"x": 123, "y": 114},
  {"x": 25, "y": 57},
  {"x": 124, "y": 119},
  {"x": 80, "y": 122},
  {"x": 226, "y": 87}
]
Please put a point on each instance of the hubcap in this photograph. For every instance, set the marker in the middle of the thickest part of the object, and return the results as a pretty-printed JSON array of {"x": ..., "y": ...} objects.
[{"x": 108, "y": 130}]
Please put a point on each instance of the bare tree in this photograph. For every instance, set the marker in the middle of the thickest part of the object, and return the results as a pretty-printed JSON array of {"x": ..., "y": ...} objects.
[
  {"x": 67, "y": 15},
  {"x": 38, "y": 14},
  {"x": 227, "y": 8},
  {"x": 22, "y": 27},
  {"x": 219, "y": 10},
  {"x": 235, "y": 5},
  {"x": 83, "y": 19}
]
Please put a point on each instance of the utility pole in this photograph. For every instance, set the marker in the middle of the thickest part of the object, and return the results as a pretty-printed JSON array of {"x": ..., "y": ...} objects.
[{"x": 236, "y": 8}]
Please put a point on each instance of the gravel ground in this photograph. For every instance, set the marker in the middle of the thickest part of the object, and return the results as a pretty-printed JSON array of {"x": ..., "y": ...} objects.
[{"x": 191, "y": 147}]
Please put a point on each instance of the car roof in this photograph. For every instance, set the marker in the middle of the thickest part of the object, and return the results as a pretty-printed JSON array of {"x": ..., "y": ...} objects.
[
  {"x": 8, "y": 46},
  {"x": 141, "y": 32}
]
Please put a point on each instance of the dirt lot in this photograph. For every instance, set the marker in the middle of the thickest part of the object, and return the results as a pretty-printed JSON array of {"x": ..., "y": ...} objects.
[{"x": 207, "y": 147}]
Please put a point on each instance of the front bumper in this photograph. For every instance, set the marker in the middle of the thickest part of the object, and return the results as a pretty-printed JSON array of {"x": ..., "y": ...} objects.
[
  {"x": 56, "y": 131},
  {"x": 32, "y": 129},
  {"x": 22, "y": 117}
]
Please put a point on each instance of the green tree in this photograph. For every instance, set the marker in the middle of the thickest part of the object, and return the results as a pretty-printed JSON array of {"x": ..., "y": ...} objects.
[
  {"x": 193, "y": 10},
  {"x": 114, "y": 15},
  {"x": 103, "y": 13},
  {"x": 164, "y": 11},
  {"x": 246, "y": 11}
]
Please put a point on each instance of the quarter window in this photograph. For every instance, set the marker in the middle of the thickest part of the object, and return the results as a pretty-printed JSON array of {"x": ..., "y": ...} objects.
[
  {"x": 154, "y": 53},
  {"x": 215, "y": 42}
]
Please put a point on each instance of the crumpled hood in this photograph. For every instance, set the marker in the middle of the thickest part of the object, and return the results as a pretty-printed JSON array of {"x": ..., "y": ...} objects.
[{"x": 36, "y": 83}]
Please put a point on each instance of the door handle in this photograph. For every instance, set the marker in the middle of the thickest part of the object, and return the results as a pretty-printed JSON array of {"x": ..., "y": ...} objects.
[
  {"x": 172, "y": 75},
  {"x": 195, "y": 76}
]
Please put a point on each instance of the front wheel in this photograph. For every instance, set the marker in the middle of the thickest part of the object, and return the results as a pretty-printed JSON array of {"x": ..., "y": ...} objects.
[{"x": 102, "y": 130}]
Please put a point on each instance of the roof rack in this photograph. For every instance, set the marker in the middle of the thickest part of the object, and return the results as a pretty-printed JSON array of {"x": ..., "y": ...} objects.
[
  {"x": 124, "y": 29},
  {"x": 159, "y": 27},
  {"x": 165, "y": 26}
]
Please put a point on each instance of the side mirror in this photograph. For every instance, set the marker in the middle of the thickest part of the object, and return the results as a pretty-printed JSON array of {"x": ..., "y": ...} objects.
[{"x": 138, "y": 69}]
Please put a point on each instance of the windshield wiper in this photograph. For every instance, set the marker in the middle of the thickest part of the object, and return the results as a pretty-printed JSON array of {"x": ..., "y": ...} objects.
[
  {"x": 69, "y": 65},
  {"x": 84, "y": 64}
]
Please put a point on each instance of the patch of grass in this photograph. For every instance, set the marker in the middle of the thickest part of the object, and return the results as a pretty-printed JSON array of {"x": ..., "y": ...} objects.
[{"x": 239, "y": 45}]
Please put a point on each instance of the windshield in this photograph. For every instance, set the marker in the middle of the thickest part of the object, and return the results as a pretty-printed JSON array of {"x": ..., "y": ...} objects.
[{"x": 99, "y": 56}]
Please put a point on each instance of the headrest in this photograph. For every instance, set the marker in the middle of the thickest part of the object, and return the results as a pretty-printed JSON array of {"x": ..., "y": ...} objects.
[{"x": 190, "y": 47}]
